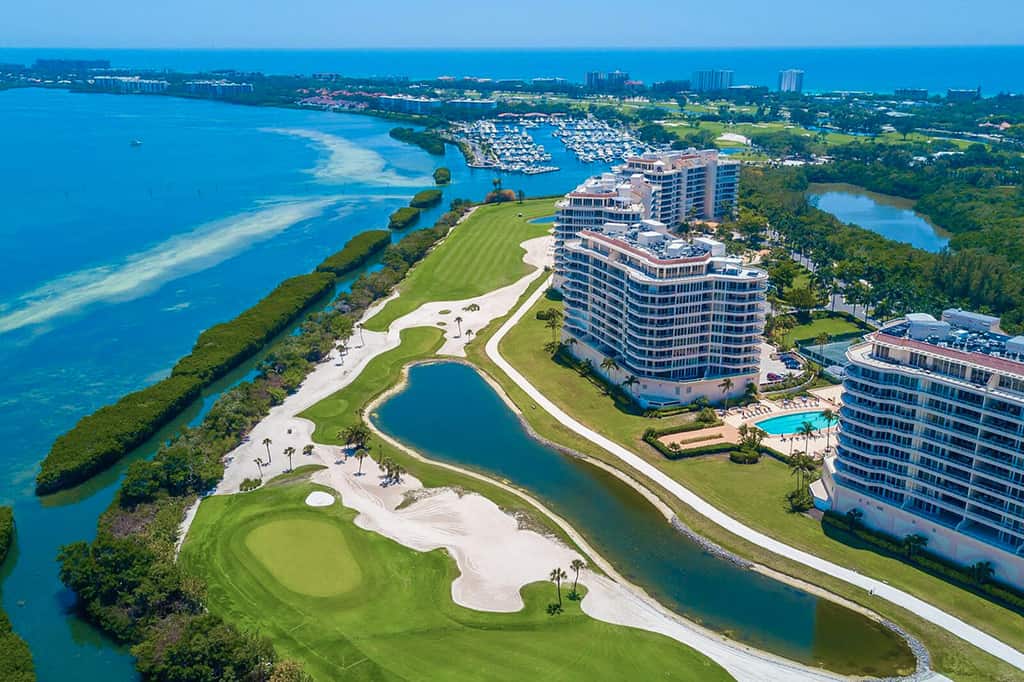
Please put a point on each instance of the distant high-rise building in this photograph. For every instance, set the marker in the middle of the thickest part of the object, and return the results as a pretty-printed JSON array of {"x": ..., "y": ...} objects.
[
  {"x": 611, "y": 81},
  {"x": 963, "y": 95},
  {"x": 791, "y": 80},
  {"x": 595, "y": 80},
  {"x": 130, "y": 84},
  {"x": 915, "y": 94},
  {"x": 616, "y": 80},
  {"x": 712, "y": 80}
]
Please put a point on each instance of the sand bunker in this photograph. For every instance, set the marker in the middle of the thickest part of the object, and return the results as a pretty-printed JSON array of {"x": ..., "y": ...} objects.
[{"x": 318, "y": 498}]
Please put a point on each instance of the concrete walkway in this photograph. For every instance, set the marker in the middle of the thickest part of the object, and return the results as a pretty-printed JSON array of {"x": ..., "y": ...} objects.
[{"x": 922, "y": 608}]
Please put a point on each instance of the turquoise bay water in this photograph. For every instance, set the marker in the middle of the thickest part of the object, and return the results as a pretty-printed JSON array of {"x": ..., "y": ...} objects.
[
  {"x": 891, "y": 217},
  {"x": 449, "y": 413},
  {"x": 115, "y": 257},
  {"x": 791, "y": 423}
]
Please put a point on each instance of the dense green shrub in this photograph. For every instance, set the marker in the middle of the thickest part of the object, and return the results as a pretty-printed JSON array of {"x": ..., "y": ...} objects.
[
  {"x": 442, "y": 176},
  {"x": 101, "y": 438},
  {"x": 426, "y": 198},
  {"x": 427, "y": 140},
  {"x": 403, "y": 218},
  {"x": 223, "y": 347},
  {"x": 250, "y": 484},
  {"x": 800, "y": 500},
  {"x": 357, "y": 251},
  {"x": 745, "y": 456},
  {"x": 15, "y": 657}
]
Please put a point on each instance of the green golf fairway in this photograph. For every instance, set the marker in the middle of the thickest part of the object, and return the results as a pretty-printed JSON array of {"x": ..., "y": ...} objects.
[{"x": 351, "y": 604}]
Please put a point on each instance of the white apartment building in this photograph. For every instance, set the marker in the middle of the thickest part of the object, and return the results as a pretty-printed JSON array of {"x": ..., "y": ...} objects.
[
  {"x": 679, "y": 316},
  {"x": 791, "y": 80},
  {"x": 932, "y": 438},
  {"x": 688, "y": 184}
]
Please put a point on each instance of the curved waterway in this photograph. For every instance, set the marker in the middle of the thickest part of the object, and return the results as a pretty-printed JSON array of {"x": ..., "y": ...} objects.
[
  {"x": 892, "y": 217},
  {"x": 449, "y": 413}
]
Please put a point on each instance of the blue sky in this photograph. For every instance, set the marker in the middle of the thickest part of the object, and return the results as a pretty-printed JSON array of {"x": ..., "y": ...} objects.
[{"x": 522, "y": 23}]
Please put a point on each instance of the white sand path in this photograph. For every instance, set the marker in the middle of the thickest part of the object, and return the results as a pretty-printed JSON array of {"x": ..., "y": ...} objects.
[{"x": 495, "y": 557}]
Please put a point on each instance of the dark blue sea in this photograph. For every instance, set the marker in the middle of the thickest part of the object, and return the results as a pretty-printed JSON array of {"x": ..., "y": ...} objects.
[{"x": 882, "y": 69}]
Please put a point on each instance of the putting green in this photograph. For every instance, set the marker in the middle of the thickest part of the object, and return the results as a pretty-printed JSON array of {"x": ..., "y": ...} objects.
[
  {"x": 308, "y": 556},
  {"x": 400, "y": 623}
]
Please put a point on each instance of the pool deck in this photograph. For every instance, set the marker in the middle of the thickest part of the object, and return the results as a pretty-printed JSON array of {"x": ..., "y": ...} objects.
[{"x": 822, "y": 399}]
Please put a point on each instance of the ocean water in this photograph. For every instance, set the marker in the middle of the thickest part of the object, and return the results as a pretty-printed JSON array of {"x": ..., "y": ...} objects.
[
  {"x": 114, "y": 257},
  {"x": 879, "y": 69}
]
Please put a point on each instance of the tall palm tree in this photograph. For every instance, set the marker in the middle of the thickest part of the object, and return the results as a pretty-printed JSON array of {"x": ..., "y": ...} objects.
[
  {"x": 807, "y": 430},
  {"x": 289, "y": 451},
  {"x": 609, "y": 365},
  {"x": 914, "y": 543},
  {"x": 726, "y": 385},
  {"x": 853, "y": 517},
  {"x": 982, "y": 571},
  {"x": 267, "y": 442},
  {"x": 830, "y": 418},
  {"x": 629, "y": 382},
  {"x": 469, "y": 333},
  {"x": 259, "y": 467},
  {"x": 821, "y": 340},
  {"x": 577, "y": 565},
  {"x": 307, "y": 449},
  {"x": 355, "y": 436},
  {"x": 458, "y": 321},
  {"x": 553, "y": 322},
  {"x": 557, "y": 576},
  {"x": 359, "y": 326}
]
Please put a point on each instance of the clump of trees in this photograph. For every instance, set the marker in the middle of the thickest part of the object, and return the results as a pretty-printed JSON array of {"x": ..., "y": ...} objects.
[
  {"x": 428, "y": 140},
  {"x": 15, "y": 657},
  {"x": 358, "y": 251},
  {"x": 407, "y": 216},
  {"x": 442, "y": 176},
  {"x": 426, "y": 198}
]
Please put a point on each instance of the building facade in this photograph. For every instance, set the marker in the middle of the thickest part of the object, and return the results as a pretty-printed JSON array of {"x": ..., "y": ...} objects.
[
  {"x": 218, "y": 88},
  {"x": 130, "y": 84},
  {"x": 711, "y": 80},
  {"x": 791, "y": 80},
  {"x": 681, "y": 317},
  {"x": 932, "y": 438},
  {"x": 688, "y": 184}
]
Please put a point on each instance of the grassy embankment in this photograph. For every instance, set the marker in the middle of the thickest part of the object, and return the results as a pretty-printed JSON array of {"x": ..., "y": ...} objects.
[
  {"x": 480, "y": 255},
  {"x": 754, "y": 495},
  {"x": 351, "y": 603}
]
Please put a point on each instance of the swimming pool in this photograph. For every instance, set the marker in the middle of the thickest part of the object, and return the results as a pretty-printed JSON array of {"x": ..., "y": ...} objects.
[{"x": 790, "y": 423}]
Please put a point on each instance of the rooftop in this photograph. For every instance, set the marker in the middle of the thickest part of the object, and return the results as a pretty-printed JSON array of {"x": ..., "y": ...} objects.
[{"x": 962, "y": 335}]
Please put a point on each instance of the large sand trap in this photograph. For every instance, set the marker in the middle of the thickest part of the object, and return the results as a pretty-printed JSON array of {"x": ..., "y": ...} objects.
[{"x": 319, "y": 498}]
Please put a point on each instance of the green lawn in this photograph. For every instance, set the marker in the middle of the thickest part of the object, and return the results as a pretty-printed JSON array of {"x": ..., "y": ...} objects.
[
  {"x": 753, "y": 494},
  {"x": 480, "y": 255},
  {"x": 399, "y": 621},
  {"x": 833, "y": 326},
  {"x": 288, "y": 547}
]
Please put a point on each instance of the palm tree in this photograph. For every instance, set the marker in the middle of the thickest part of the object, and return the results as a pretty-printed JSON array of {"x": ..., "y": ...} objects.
[
  {"x": 267, "y": 442},
  {"x": 629, "y": 382},
  {"x": 553, "y": 322},
  {"x": 853, "y": 517},
  {"x": 359, "y": 326},
  {"x": 830, "y": 418},
  {"x": 796, "y": 468},
  {"x": 355, "y": 436},
  {"x": 821, "y": 340},
  {"x": 360, "y": 455},
  {"x": 458, "y": 321},
  {"x": 289, "y": 451},
  {"x": 557, "y": 576},
  {"x": 259, "y": 467},
  {"x": 307, "y": 450},
  {"x": 609, "y": 365},
  {"x": 807, "y": 430},
  {"x": 469, "y": 333},
  {"x": 577, "y": 565},
  {"x": 726, "y": 386},
  {"x": 914, "y": 543}
]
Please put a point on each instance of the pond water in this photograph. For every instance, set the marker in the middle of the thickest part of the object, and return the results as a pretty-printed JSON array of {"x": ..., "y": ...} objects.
[
  {"x": 448, "y": 412},
  {"x": 892, "y": 217}
]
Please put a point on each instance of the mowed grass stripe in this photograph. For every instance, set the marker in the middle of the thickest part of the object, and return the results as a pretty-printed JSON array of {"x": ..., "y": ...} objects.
[{"x": 480, "y": 255}]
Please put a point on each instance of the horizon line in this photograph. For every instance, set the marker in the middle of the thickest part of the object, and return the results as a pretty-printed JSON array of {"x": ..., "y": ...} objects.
[{"x": 538, "y": 48}]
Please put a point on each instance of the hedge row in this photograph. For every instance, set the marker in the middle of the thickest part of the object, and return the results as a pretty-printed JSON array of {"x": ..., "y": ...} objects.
[
  {"x": 103, "y": 437},
  {"x": 442, "y": 176},
  {"x": 429, "y": 141},
  {"x": 224, "y": 346},
  {"x": 403, "y": 218},
  {"x": 357, "y": 251},
  {"x": 930, "y": 562},
  {"x": 426, "y": 198},
  {"x": 15, "y": 657},
  {"x": 714, "y": 449}
]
